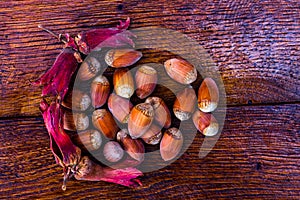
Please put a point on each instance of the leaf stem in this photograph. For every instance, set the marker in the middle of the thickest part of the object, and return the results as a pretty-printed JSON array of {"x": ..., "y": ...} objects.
[{"x": 53, "y": 34}]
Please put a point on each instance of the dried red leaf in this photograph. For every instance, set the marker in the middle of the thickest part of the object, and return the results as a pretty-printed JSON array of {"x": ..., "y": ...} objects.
[
  {"x": 90, "y": 171},
  {"x": 57, "y": 79},
  {"x": 68, "y": 154},
  {"x": 105, "y": 37}
]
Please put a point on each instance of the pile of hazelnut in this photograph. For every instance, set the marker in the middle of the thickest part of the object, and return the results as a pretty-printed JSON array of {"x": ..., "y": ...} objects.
[{"x": 97, "y": 115}]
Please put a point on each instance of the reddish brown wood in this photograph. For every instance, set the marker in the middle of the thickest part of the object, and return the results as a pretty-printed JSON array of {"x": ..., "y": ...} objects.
[
  {"x": 257, "y": 156},
  {"x": 255, "y": 44}
]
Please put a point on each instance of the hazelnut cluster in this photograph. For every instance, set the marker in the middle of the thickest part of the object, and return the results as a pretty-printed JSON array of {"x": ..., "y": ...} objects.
[{"x": 146, "y": 123}]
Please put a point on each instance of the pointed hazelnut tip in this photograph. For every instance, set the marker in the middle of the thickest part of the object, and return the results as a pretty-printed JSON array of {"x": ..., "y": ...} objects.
[{"x": 167, "y": 63}]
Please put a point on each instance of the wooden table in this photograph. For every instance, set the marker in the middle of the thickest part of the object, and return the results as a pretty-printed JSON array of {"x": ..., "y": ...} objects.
[{"x": 256, "y": 47}]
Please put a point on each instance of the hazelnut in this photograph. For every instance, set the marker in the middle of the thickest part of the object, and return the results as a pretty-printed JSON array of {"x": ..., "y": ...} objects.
[
  {"x": 140, "y": 119},
  {"x": 171, "y": 144},
  {"x": 134, "y": 147},
  {"x": 185, "y": 104},
  {"x": 146, "y": 80},
  {"x": 162, "y": 113},
  {"x": 119, "y": 107},
  {"x": 75, "y": 121},
  {"x": 99, "y": 91},
  {"x": 181, "y": 71},
  {"x": 123, "y": 83},
  {"x": 118, "y": 58},
  {"x": 208, "y": 95},
  {"x": 89, "y": 68},
  {"x": 206, "y": 123},
  {"x": 77, "y": 100},
  {"x": 104, "y": 121},
  {"x": 113, "y": 151}
]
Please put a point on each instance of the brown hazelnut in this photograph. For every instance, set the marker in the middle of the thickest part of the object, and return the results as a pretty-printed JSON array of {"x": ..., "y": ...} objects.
[
  {"x": 206, "y": 123},
  {"x": 181, "y": 71},
  {"x": 123, "y": 83},
  {"x": 140, "y": 119},
  {"x": 208, "y": 95},
  {"x": 146, "y": 80},
  {"x": 185, "y": 104},
  {"x": 118, "y": 58},
  {"x": 104, "y": 121},
  {"x": 171, "y": 144}
]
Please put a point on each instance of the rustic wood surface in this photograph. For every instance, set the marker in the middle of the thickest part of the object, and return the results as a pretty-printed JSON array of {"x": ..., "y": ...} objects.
[
  {"x": 255, "y": 45},
  {"x": 257, "y": 155}
]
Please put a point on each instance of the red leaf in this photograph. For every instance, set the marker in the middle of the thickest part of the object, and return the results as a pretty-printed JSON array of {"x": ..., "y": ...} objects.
[
  {"x": 105, "y": 37},
  {"x": 56, "y": 80},
  {"x": 90, "y": 171},
  {"x": 67, "y": 153}
]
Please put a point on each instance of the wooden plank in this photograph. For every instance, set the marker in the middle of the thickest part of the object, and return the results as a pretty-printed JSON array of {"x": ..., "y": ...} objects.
[
  {"x": 257, "y": 156},
  {"x": 255, "y": 44}
]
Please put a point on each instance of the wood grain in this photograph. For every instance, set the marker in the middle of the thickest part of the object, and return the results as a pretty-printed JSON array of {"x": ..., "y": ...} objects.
[
  {"x": 257, "y": 156},
  {"x": 255, "y": 44}
]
